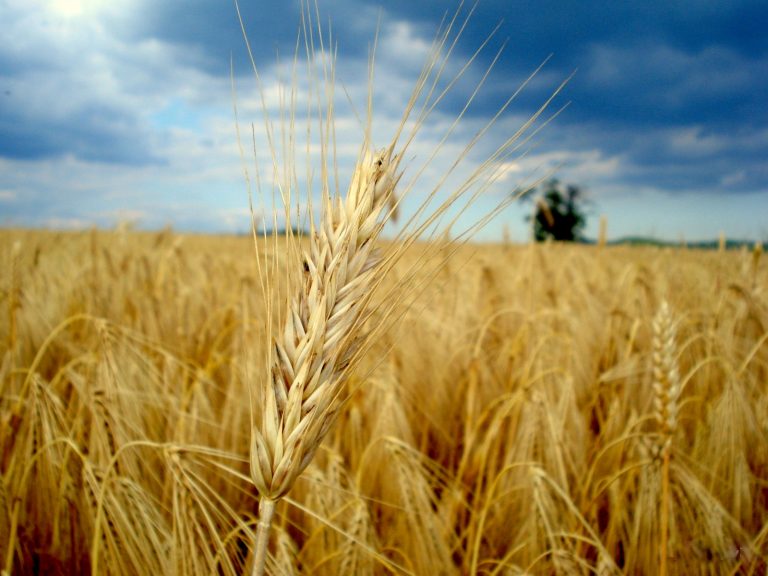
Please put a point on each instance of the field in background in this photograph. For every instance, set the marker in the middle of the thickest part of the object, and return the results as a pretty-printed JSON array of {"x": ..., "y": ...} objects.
[{"x": 515, "y": 420}]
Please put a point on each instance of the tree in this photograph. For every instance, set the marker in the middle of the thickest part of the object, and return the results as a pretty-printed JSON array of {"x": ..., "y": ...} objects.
[{"x": 559, "y": 214}]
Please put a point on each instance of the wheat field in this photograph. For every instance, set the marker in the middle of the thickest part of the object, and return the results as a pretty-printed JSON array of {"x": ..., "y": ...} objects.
[
  {"x": 536, "y": 409},
  {"x": 331, "y": 402}
]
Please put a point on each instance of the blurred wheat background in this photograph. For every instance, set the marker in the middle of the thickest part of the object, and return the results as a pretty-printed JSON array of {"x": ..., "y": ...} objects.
[{"x": 540, "y": 409}]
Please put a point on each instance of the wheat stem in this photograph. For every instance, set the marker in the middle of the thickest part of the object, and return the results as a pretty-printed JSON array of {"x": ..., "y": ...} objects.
[
  {"x": 266, "y": 513},
  {"x": 666, "y": 387},
  {"x": 664, "y": 513}
]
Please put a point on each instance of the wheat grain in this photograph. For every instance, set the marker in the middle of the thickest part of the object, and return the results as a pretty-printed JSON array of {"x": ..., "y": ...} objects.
[
  {"x": 321, "y": 334},
  {"x": 666, "y": 378}
]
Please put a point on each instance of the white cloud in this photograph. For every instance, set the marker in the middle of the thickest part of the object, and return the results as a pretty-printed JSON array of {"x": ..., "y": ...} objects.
[
  {"x": 121, "y": 103},
  {"x": 80, "y": 87},
  {"x": 401, "y": 45},
  {"x": 733, "y": 178},
  {"x": 691, "y": 141}
]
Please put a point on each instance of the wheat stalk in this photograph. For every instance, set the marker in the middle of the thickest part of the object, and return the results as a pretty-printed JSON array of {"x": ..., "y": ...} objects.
[
  {"x": 757, "y": 251},
  {"x": 14, "y": 303},
  {"x": 602, "y": 238},
  {"x": 666, "y": 394},
  {"x": 666, "y": 379},
  {"x": 14, "y": 292},
  {"x": 320, "y": 336}
]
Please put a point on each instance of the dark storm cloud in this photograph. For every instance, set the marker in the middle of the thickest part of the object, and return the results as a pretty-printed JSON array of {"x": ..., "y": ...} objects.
[
  {"x": 212, "y": 29},
  {"x": 97, "y": 133},
  {"x": 638, "y": 62},
  {"x": 677, "y": 91}
]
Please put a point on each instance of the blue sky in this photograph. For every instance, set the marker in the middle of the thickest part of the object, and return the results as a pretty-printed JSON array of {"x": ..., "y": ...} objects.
[{"x": 122, "y": 110}]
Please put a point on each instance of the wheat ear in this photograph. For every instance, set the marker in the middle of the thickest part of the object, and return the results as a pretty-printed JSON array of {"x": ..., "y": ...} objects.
[
  {"x": 320, "y": 336},
  {"x": 666, "y": 393}
]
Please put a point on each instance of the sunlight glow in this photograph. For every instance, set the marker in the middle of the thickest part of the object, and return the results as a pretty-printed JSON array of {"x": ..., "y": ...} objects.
[{"x": 74, "y": 8}]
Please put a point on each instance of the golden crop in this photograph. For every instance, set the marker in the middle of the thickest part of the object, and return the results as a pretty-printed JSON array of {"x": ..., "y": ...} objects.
[{"x": 537, "y": 409}]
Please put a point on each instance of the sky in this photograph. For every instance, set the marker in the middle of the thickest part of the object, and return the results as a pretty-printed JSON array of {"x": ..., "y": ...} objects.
[{"x": 122, "y": 110}]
